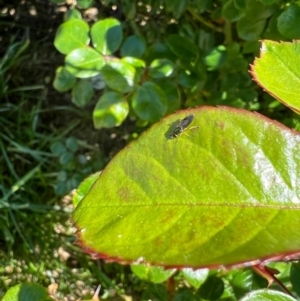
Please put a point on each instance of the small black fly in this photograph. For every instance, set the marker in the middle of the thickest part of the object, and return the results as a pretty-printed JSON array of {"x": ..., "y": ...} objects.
[{"x": 182, "y": 126}]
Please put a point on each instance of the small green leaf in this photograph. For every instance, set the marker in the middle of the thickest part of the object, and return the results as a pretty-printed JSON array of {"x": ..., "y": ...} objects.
[
  {"x": 82, "y": 93},
  {"x": 84, "y": 62},
  {"x": 161, "y": 68},
  {"x": 72, "y": 14},
  {"x": 66, "y": 158},
  {"x": 72, "y": 144},
  {"x": 152, "y": 273},
  {"x": 57, "y": 148},
  {"x": 159, "y": 51},
  {"x": 133, "y": 46},
  {"x": 149, "y": 102},
  {"x": 84, "y": 188},
  {"x": 230, "y": 12},
  {"x": 107, "y": 35},
  {"x": 119, "y": 76},
  {"x": 176, "y": 7},
  {"x": 71, "y": 35},
  {"x": 202, "y": 5},
  {"x": 295, "y": 277},
  {"x": 110, "y": 111},
  {"x": 63, "y": 80},
  {"x": 267, "y": 295},
  {"x": 249, "y": 29},
  {"x": 240, "y": 4},
  {"x": 195, "y": 277},
  {"x": 215, "y": 58},
  {"x": 27, "y": 291},
  {"x": 129, "y": 9},
  {"x": 212, "y": 288},
  {"x": 277, "y": 71},
  {"x": 84, "y": 4},
  {"x": 288, "y": 22},
  {"x": 182, "y": 47},
  {"x": 171, "y": 91},
  {"x": 242, "y": 282}
]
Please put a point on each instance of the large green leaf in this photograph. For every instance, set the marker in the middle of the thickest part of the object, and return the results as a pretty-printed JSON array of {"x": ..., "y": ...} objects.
[
  {"x": 278, "y": 71},
  {"x": 227, "y": 194},
  {"x": 71, "y": 35}
]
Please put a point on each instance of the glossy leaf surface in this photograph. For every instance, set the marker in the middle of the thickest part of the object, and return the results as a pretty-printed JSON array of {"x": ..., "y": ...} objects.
[
  {"x": 107, "y": 35},
  {"x": 64, "y": 80},
  {"x": 71, "y": 35},
  {"x": 267, "y": 295},
  {"x": 278, "y": 71},
  {"x": 84, "y": 62},
  {"x": 226, "y": 195},
  {"x": 111, "y": 110}
]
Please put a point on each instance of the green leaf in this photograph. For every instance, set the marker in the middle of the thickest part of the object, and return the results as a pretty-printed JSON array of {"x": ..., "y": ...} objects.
[
  {"x": 27, "y": 291},
  {"x": 133, "y": 46},
  {"x": 66, "y": 158},
  {"x": 171, "y": 92},
  {"x": 195, "y": 277},
  {"x": 277, "y": 71},
  {"x": 84, "y": 62},
  {"x": 240, "y": 4},
  {"x": 161, "y": 68},
  {"x": 206, "y": 200},
  {"x": 71, "y": 35},
  {"x": 129, "y": 9},
  {"x": 159, "y": 51},
  {"x": 149, "y": 102},
  {"x": 111, "y": 110},
  {"x": 72, "y": 14},
  {"x": 176, "y": 7},
  {"x": 271, "y": 32},
  {"x": 107, "y": 35},
  {"x": 182, "y": 47},
  {"x": 82, "y": 93},
  {"x": 268, "y": 2},
  {"x": 84, "y": 188},
  {"x": 84, "y": 4},
  {"x": 249, "y": 29},
  {"x": 242, "y": 282},
  {"x": 267, "y": 295},
  {"x": 119, "y": 76},
  {"x": 288, "y": 22},
  {"x": 215, "y": 58},
  {"x": 212, "y": 288},
  {"x": 63, "y": 80},
  {"x": 295, "y": 277},
  {"x": 252, "y": 25},
  {"x": 151, "y": 273},
  {"x": 230, "y": 12},
  {"x": 72, "y": 144},
  {"x": 202, "y": 5},
  {"x": 57, "y": 148}
]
